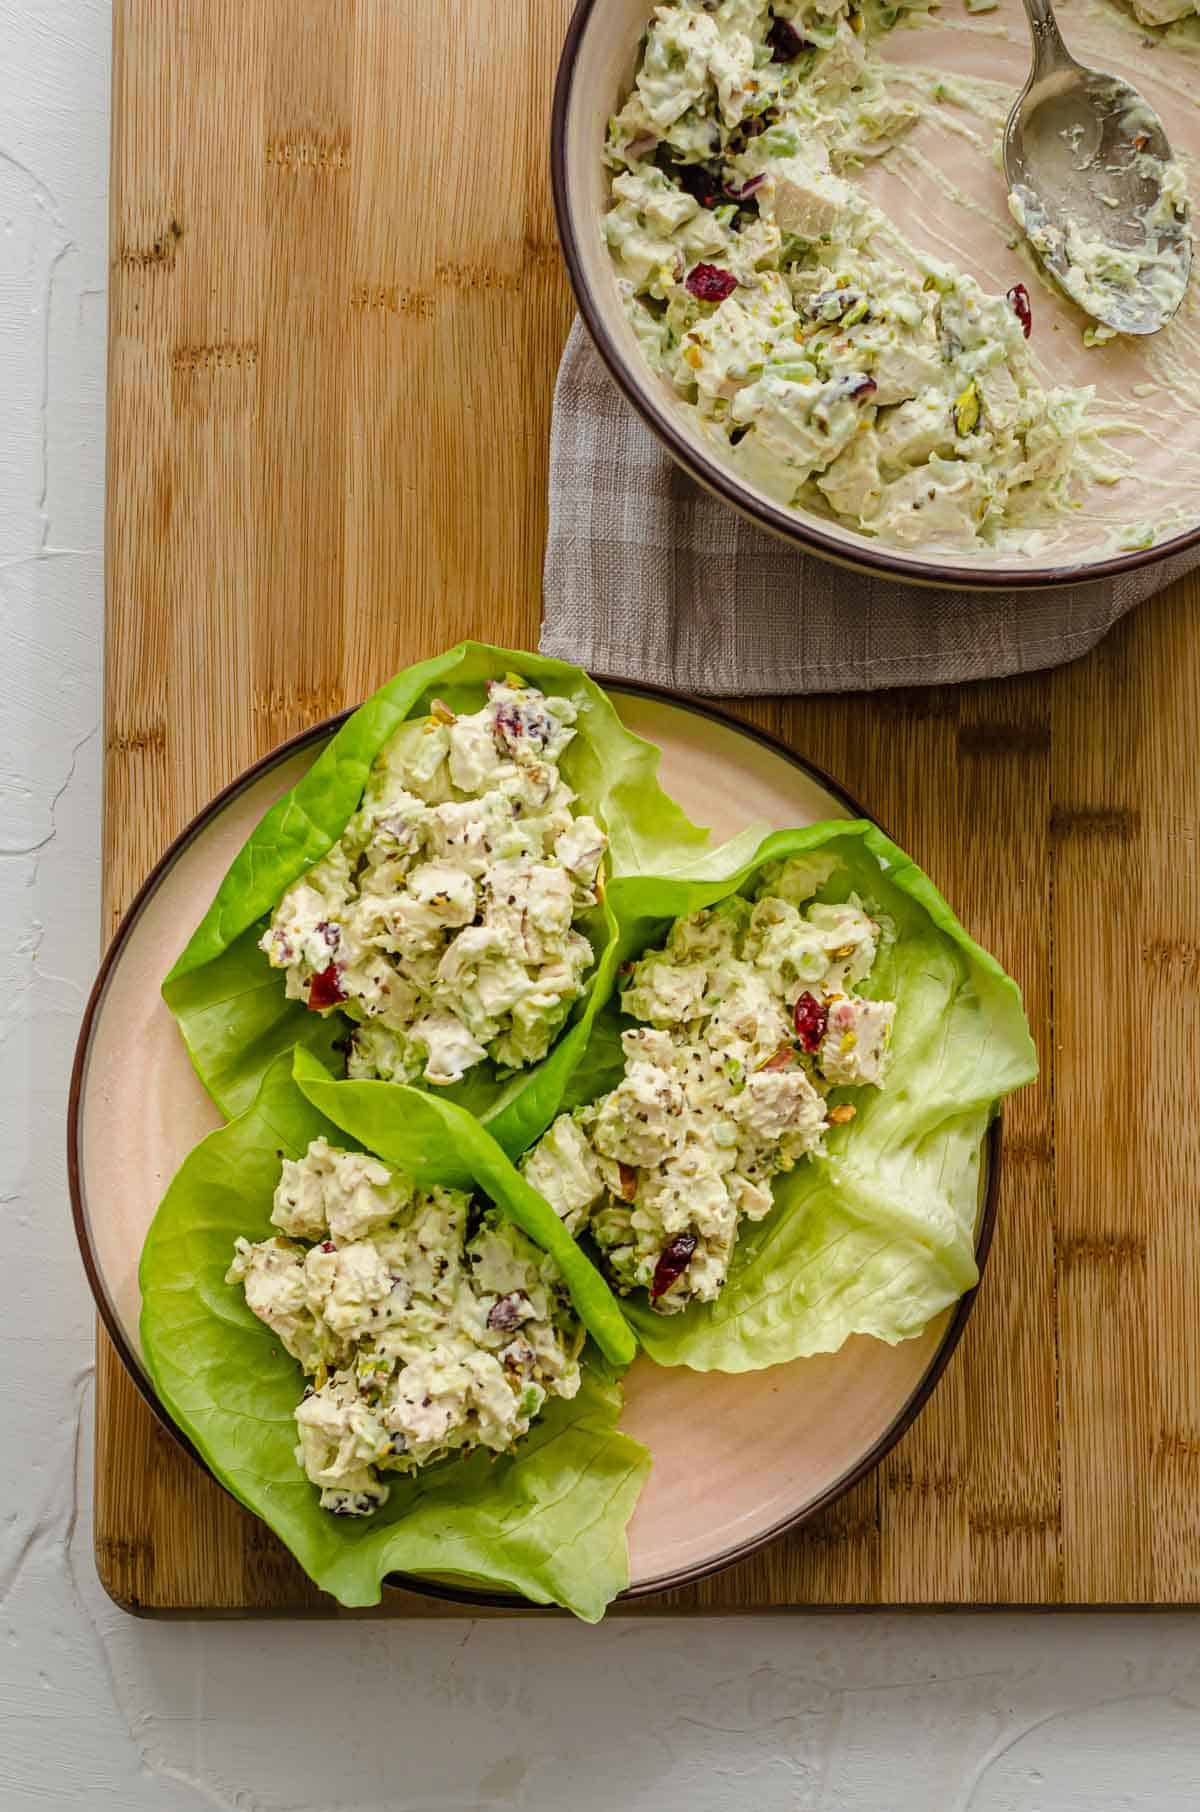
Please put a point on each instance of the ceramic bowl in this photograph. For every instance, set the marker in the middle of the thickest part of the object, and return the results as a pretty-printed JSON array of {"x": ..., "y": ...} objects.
[{"x": 942, "y": 187}]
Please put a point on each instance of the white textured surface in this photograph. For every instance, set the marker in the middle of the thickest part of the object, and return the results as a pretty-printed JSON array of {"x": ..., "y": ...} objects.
[{"x": 847, "y": 1714}]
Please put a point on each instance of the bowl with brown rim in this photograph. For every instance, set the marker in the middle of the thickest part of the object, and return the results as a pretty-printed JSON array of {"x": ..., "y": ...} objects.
[{"x": 951, "y": 202}]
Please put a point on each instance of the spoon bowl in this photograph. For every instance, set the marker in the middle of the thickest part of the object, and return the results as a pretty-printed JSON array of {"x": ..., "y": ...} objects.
[{"x": 1093, "y": 184}]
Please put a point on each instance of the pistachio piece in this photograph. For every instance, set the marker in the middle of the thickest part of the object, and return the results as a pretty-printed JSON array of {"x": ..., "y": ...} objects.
[{"x": 966, "y": 409}]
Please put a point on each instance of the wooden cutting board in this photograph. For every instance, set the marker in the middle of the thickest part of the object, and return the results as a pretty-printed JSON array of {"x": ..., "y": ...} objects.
[{"x": 336, "y": 312}]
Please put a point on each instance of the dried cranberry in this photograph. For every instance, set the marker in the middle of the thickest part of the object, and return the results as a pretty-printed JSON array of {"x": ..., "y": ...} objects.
[
  {"x": 708, "y": 283},
  {"x": 327, "y": 1245},
  {"x": 754, "y": 127},
  {"x": 673, "y": 1261},
  {"x": 785, "y": 41},
  {"x": 855, "y": 386},
  {"x": 747, "y": 189},
  {"x": 508, "y": 725},
  {"x": 330, "y": 933},
  {"x": 517, "y": 1358},
  {"x": 325, "y": 990},
  {"x": 517, "y": 725},
  {"x": 701, "y": 181},
  {"x": 810, "y": 1019},
  {"x": 508, "y": 1312},
  {"x": 1018, "y": 297}
]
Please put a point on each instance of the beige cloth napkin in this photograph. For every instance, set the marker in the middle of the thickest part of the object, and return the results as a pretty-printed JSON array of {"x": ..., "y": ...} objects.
[{"x": 647, "y": 577}]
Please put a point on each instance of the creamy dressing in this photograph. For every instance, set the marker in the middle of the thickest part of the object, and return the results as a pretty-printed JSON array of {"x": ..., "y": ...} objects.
[
  {"x": 748, "y": 1018},
  {"x": 444, "y": 920},
  {"x": 1162, "y": 12},
  {"x": 428, "y": 1327},
  {"x": 1125, "y": 436},
  {"x": 1097, "y": 272}
]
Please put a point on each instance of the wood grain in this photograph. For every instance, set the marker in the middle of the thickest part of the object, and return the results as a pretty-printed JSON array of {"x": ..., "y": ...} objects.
[{"x": 336, "y": 312}]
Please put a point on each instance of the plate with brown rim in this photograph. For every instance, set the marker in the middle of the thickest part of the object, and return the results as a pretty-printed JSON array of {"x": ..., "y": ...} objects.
[{"x": 737, "y": 1459}]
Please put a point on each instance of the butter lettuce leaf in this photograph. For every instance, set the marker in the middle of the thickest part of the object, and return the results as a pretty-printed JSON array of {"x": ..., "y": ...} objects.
[
  {"x": 434, "y": 1141},
  {"x": 878, "y": 1235},
  {"x": 547, "y": 1522},
  {"x": 228, "y": 1001}
]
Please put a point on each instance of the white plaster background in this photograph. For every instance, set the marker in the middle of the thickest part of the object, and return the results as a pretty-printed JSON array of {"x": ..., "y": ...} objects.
[{"x": 978, "y": 1713}]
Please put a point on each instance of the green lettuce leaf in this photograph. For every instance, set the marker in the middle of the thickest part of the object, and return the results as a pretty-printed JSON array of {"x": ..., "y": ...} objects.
[
  {"x": 436, "y": 1142},
  {"x": 547, "y": 1521},
  {"x": 877, "y": 1236},
  {"x": 230, "y": 1003}
]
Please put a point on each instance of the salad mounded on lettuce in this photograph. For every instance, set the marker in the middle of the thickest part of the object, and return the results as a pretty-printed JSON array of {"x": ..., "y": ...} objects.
[
  {"x": 778, "y": 1143},
  {"x": 748, "y": 1019},
  {"x": 426, "y": 1322},
  {"x": 427, "y": 902},
  {"x": 502, "y": 1465},
  {"x": 442, "y": 921}
]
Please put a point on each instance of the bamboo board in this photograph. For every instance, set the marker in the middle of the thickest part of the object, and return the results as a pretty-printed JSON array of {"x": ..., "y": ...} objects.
[{"x": 336, "y": 315}]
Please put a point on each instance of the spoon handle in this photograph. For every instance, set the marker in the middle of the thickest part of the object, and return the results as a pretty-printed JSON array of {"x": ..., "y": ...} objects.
[{"x": 1049, "y": 51}]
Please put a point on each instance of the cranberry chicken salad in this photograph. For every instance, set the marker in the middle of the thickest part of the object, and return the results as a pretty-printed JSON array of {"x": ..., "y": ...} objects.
[
  {"x": 443, "y": 921},
  {"x": 832, "y": 364},
  {"x": 428, "y": 1324},
  {"x": 748, "y": 1019}
]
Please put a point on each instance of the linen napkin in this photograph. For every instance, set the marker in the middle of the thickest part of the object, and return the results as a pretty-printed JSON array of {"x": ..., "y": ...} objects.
[{"x": 648, "y": 577}]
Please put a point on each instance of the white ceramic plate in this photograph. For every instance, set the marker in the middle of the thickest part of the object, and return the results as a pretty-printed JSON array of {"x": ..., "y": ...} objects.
[{"x": 736, "y": 1459}]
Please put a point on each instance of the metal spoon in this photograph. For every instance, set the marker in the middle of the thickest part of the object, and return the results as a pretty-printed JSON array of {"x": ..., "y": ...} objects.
[{"x": 1083, "y": 148}]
